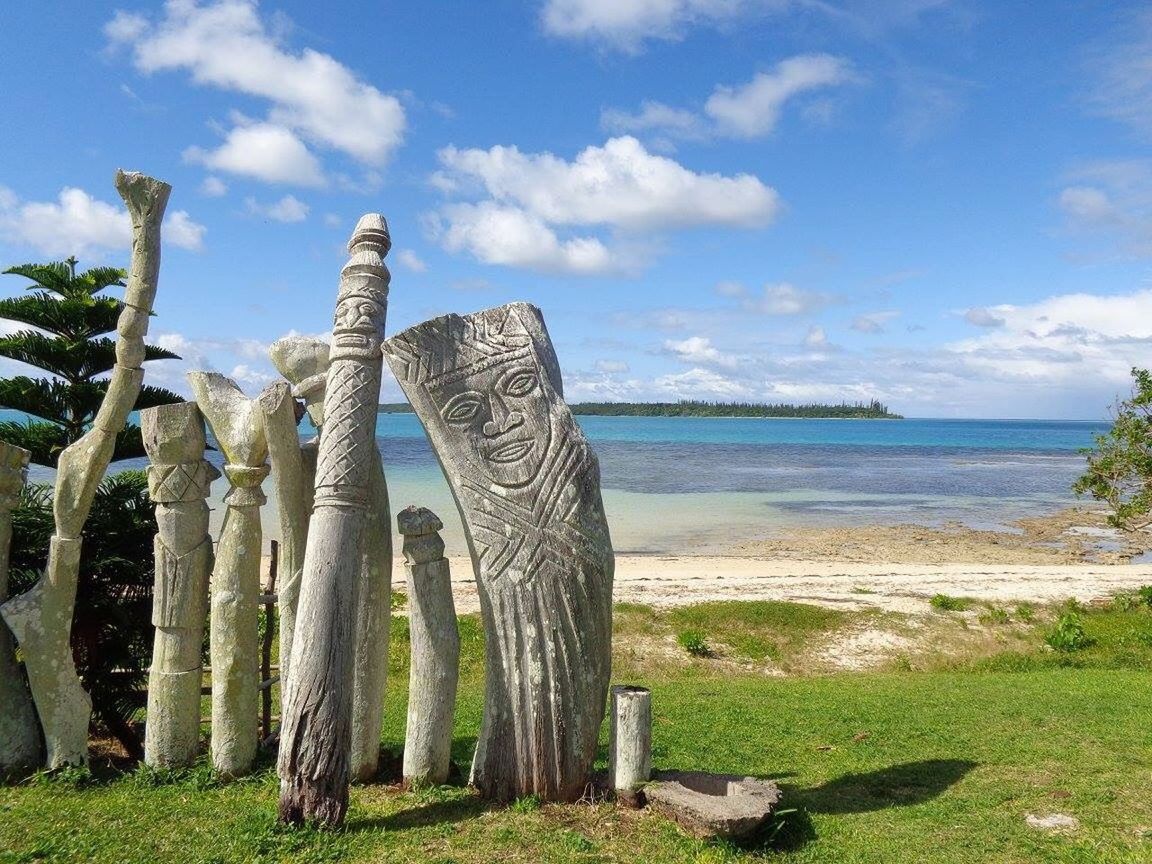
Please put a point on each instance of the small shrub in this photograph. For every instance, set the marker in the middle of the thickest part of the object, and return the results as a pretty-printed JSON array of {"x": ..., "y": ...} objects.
[
  {"x": 694, "y": 643},
  {"x": 399, "y": 599},
  {"x": 1068, "y": 635},
  {"x": 1125, "y": 601},
  {"x": 1025, "y": 613},
  {"x": 526, "y": 804},
  {"x": 995, "y": 616},
  {"x": 1144, "y": 592},
  {"x": 948, "y": 603}
]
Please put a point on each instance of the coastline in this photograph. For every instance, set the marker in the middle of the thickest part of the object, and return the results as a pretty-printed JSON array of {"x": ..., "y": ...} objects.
[{"x": 894, "y": 568}]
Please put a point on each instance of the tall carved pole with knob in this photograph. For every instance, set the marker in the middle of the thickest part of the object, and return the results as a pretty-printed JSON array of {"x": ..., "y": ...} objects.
[{"x": 316, "y": 735}]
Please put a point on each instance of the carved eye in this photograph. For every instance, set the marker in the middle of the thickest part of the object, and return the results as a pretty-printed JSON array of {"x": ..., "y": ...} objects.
[
  {"x": 520, "y": 383},
  {"x": 463, "y": 407}
]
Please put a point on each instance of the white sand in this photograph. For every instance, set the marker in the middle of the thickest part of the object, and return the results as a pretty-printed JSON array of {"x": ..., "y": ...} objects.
[{"x": 674, "y": 581}]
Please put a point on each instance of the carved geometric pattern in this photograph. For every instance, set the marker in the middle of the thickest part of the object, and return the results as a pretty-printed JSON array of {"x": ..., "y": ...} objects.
[
  {"x": 185, "y": 481},
  {"x": 349, "y": 458}
]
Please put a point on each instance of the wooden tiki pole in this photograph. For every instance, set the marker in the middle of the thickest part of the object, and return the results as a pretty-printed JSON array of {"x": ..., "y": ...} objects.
[
  {"x": 316, "y": 733},
  {"x": 487, "y": 388},
  {"x": 234, "y": 639},
  {"x": 435, "y": 666},
  {"x": 20, "y": 749},
  {"x": 178, "y": 482}
]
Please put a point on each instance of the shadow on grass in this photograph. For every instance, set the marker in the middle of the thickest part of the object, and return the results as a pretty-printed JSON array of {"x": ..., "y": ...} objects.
[
  {"x": 897, "y": 786},
  {"x": 423, "y": 815}
]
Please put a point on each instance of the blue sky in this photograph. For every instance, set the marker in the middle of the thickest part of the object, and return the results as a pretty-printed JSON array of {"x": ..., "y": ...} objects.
[{"x": 943, "y": 204}]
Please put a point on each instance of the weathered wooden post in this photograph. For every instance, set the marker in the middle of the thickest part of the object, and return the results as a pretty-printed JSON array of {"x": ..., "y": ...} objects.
[
  {"x": 316, "y": 733},
  {"x": 630, "y": 745},
  {"x": 234, "y": 639},
  {"x": 373, "y": 625},
  {"x": 487, "y": 389},
  {"x": 20, "y": 749},
  {"x": 305, "y": 362},
  {"x": 292, "y": 479},
  {"x": 435, "y": 640},
  {"x": 178, "y": 482},
  {"x": 41, "y": 618}
]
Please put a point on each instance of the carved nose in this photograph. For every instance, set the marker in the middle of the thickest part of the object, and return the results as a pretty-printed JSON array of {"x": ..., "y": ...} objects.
[{"x": 493, "y": 427}]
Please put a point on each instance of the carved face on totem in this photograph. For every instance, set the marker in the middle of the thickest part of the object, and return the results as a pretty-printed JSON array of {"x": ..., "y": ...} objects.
[{"x": 500, "y": 416}]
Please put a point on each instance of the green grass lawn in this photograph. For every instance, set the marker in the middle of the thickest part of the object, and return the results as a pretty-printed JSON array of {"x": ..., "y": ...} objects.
[{"x": 904, "y": 766}]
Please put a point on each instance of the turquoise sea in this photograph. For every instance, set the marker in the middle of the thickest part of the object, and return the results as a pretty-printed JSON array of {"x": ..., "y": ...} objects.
[{"x": 702, "y": 485}]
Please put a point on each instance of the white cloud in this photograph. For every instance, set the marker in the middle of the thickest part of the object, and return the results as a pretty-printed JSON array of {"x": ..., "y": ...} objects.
[
  {"x": 626, "y": 24},
  {"x": 654, "y": 116},
  {"x": 331, "y": 220},
  {"x": 1063, "y": 340},
  {"x": 1066, "y": 356},
  {"x": 411, "y": 260},
  {"x": 981, "y": 317},
  {"x": 698, "y": 350},
  {"x": 288, "y": 209},
  {"x": 784, "y": 298},
  {"x": 750, "y": 110},
  {"x": 753, "y": 109},
  {"x": 730, "y": 289},
  {"x": 180, "y": 230},
  {"x": 1122, "y": 66},
  {"x": 244, "y": 360},
  {"x": 265, "y": 151},
  {"x": 873, "y": 322},
  {"x": 512, "y": 237},
  {"x": 611, "y": 367},
  {"x": 225, "y": 44},
  {"x": 1112, "y": 200},
  {"x": 620, "y": 184},
  {"x": 78, "y": 224},
  {"x": 702, "y": 384},
  {"x": 213, "y": 187}
]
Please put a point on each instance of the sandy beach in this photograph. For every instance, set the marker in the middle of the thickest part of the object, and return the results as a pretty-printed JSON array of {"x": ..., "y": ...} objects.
[{"x": 1071, "y": 553}]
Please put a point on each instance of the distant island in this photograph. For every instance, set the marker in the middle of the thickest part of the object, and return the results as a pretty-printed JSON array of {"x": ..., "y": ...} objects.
[{"x": 873, "y": 410}]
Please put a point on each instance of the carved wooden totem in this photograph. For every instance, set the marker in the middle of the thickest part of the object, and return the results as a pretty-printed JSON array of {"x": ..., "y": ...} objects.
[
  {"x": 178, "y": 482},
  {"x": 487, "y": 389},
  {"x": 316, "y": 735},
  {"x": 234, "y": 644},
  {"x": 435, "y": 649},
  {"x": 19, "y": 727}
]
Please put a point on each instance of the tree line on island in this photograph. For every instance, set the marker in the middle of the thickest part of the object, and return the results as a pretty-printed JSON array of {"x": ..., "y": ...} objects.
[{"x": 873, "y": 410}]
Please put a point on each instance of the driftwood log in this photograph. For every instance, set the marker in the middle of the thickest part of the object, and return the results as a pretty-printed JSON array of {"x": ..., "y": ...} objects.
[
  {"x": 435, "y": 639},
  {"x": 178, "y": 482},
  {"x": 20, "y": 749},
  {"x": 41, "y": 618},
  {"x": 487, "y": 389},
  {"x": 316, "y": 734},
  {"x": 234, "y": 639}
]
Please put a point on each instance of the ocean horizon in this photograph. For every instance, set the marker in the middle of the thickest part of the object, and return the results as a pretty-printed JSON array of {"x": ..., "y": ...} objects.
[{"x": 692, "y": 485}]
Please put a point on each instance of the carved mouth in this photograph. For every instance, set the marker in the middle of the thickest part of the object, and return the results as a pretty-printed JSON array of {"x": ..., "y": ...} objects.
[{"x": 513, "y": 451}]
